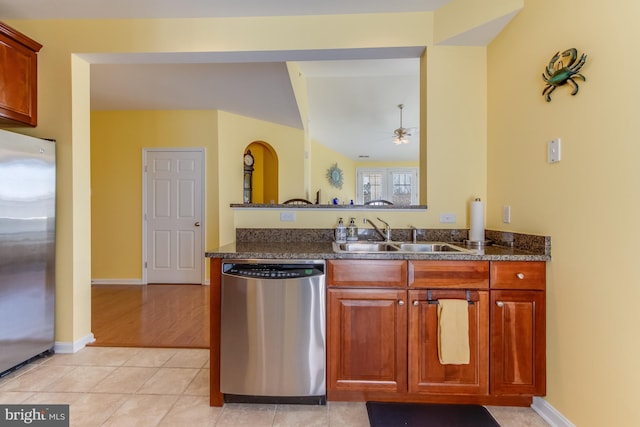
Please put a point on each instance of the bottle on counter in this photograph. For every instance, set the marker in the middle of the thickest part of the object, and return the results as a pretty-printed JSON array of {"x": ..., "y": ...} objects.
[
  {"x": 341, "y": 232},
  {"x": 352, "y": 230}
]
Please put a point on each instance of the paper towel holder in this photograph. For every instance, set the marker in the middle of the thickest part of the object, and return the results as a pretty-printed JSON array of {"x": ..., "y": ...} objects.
[
  {"x": 476, "y": 245},
  {"x": 479, "y": 243}
]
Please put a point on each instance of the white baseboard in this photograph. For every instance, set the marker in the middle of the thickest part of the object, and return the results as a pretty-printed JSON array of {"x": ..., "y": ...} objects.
[
  {"x": 550, "y": 414},
  {"x": 72, "y": 347},
  {"x": 126, "y": 282},
  {"x": 116, "y": 282}
]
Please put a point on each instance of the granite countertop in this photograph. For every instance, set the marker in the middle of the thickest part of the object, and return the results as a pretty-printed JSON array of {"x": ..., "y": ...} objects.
[
  {"x": 324, "y": 250},
  {"x": 317, "y": 244}
]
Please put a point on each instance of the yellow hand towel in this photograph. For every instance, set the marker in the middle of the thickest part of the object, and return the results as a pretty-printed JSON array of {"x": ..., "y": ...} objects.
[{"x": 453, "y": 331}]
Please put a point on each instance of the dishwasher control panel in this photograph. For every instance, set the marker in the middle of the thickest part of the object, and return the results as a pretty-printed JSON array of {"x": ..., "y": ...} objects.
[{"x": 273, "y": 270}]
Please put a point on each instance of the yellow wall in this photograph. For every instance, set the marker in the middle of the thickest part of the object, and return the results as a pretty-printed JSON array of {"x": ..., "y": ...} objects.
[
  {"x": 235, "y": 133},
  {"x": 588, "y": 202},
  {"x": 462, "y": 16},
  {"x": 117, "y": 140},
  {"x": 323, "y": 158}
]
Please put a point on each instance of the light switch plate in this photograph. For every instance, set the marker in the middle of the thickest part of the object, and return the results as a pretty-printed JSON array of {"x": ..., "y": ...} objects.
[
  {"x": 506, "y": 214},
  {"x": 554, "y": 151}
]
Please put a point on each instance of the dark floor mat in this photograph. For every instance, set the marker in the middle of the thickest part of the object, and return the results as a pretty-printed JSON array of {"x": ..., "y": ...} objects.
[{"x": 388, "y": 414}]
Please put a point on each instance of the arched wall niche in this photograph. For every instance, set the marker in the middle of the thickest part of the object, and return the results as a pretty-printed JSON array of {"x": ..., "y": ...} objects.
[{"x": 265, "y": 172}]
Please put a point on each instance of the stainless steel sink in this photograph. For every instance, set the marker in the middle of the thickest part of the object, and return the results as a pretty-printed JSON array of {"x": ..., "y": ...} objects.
[
  {"x": 422, "y": 247},
  {"x": 365, "y": 247},
  {"x": 430, "y": 247}
]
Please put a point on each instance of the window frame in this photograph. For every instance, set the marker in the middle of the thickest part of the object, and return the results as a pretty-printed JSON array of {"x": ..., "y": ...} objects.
[{"x": 387, "y": 182}]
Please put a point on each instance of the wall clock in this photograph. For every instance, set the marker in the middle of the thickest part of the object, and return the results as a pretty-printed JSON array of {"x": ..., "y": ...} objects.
[
  {"x": 247, "y": 196},
  {"x": 334, "y": 176}
]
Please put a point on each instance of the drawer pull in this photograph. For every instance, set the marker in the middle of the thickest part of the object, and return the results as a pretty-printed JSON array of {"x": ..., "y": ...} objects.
[
  {"x": 401, "y": 302},
  {"x": 520, "y": 276},
  {"x": 499, "y": 303},
  {"x": 416, "y": 303}
]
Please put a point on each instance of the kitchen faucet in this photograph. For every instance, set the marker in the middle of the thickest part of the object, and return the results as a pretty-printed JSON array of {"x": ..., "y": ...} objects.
[
  {"x": 386, "y": 236},
  {"x": 414, "y": 233}
]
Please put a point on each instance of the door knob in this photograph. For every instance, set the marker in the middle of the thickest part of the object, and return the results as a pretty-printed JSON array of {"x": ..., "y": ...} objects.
[{"x": 197, "y": 224}]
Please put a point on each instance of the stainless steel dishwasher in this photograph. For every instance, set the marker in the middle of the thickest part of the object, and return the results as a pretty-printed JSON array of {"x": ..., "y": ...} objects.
[{"x": 273, "y": 334}]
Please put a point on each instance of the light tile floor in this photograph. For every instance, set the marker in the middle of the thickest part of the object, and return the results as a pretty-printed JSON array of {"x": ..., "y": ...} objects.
[{"x": 118, "y": 386}]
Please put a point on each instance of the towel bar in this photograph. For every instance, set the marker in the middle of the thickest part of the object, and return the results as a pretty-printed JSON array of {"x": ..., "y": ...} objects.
[{"x": 430, "y": 299}]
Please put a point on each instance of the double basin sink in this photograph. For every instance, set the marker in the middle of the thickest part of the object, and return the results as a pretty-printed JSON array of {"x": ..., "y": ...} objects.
[{"x": 421, "y": 247}]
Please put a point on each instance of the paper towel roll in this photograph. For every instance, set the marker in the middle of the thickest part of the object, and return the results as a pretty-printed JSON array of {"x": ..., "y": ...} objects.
[{"x": 476, "y": 230}]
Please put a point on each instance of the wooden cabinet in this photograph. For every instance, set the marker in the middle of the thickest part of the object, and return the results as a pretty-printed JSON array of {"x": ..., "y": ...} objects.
[
  {"x": 382, "y": 331},
  {"x": 366, "y": 326},
  {"x": 518, "y": 337},
  {"x": 366, "y": 340},
  {"x": 466, "y": 280},
  {"x": 18, "y": 78},
  {"x": 426, "y": 373}
]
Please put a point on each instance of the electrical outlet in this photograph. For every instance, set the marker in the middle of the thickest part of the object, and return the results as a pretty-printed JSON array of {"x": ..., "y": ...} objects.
[
  {"x": 448, "y": 218},
  {"x": 287, "y": 216}
]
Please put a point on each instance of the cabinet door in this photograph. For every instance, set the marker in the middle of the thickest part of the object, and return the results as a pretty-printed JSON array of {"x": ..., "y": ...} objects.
[
  {"x": 18, "y": 78},
  {"x": 366, "y": 340},
  {"x": 518, "y": 359},
  {"x": 426, "y": 374}
]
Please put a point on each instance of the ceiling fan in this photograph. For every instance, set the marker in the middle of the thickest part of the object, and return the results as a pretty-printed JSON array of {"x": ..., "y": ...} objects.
[{"x": 401, "y": 134}]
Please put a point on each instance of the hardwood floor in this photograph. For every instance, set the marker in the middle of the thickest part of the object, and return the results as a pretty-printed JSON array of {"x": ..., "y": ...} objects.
[{"x": 150, "y": 316}]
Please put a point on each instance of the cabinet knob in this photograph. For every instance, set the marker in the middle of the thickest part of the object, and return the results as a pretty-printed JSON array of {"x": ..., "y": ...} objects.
[
  {"x": 197, "y": 224},
  {"x": 416, "y": 303},
  {"x": 499, "y": 303},
  {"x": 401, "y": 302},
  {"x": 520, "y": 276}
]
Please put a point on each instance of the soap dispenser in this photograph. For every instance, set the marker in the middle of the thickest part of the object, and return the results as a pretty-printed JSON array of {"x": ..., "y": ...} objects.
[
  {"x": 341, "y": 232},
  {"x": 352, "y": 230}
]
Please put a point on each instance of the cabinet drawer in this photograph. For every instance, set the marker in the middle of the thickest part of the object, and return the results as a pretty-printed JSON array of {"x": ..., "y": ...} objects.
[
  {"x": 449, "y": 274},
  {"x": 387, "y": 273},
  {"x": 518, "y": 275}
]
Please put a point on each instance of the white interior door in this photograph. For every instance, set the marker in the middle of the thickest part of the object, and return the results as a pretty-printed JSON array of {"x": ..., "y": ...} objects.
[{"x": 173, "y": 216}]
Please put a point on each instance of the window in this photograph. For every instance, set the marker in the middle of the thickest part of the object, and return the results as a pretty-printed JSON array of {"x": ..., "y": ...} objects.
[{"x": 397, "y": 185}]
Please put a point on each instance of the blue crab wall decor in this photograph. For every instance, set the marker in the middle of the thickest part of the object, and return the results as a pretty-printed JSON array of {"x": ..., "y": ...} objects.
[{"x": 558, "y": 74}]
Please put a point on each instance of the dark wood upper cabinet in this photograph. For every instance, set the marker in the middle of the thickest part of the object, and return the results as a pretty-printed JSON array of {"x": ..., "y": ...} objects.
[{"x": 18, "y": 78}]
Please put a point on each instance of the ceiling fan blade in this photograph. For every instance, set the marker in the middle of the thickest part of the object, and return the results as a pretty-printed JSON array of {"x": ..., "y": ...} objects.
[{"x": 402, "y": 132}]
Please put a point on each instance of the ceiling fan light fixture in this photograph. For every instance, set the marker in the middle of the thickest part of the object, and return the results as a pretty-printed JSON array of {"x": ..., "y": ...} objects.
[
  {"x": 399, "y": 140},
  {"x": 401, "y": 133}
]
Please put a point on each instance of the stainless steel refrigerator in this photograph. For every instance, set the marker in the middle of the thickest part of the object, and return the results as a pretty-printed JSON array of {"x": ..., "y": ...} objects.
[{"x": 27, "y": 247}]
